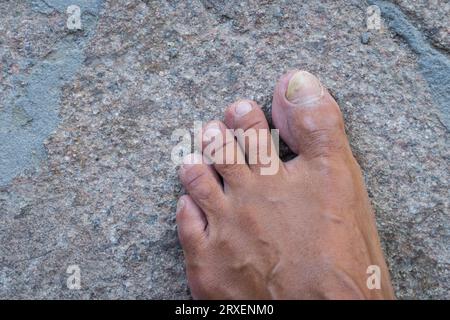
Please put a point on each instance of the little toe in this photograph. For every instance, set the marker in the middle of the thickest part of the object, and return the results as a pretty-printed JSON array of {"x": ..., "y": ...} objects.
[
  {"x": 192, "y": 224},
  {"x": 224, "y": 153}
]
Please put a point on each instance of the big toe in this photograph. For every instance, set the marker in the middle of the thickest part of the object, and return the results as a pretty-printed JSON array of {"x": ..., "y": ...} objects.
[{"x": 307, "y": 116}]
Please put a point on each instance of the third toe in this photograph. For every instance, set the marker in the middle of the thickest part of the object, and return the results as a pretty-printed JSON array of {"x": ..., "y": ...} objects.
[{"x": 220, "y": 147}]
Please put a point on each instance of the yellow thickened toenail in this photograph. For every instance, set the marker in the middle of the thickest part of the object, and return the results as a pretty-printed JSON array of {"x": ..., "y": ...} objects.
[
  {"x": 243, "y": 108},
  {"x": 303, "y": 88}
]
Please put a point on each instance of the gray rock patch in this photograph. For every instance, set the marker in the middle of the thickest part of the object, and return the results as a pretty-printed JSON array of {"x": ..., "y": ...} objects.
[
  {"x": 30, "y": 112},
  {"x": 435, "y": 66}
]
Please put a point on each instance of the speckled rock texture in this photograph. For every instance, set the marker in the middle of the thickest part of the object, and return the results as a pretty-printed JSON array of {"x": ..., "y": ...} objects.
[{"x": 86, "y": 123}]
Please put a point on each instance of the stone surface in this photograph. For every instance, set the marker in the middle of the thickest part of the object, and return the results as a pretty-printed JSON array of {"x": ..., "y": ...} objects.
[{"x": 86, "y": 123}]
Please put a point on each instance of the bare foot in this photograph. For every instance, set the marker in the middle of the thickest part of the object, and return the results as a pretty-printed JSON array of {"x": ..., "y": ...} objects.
[{"x": 305, "y": 232}]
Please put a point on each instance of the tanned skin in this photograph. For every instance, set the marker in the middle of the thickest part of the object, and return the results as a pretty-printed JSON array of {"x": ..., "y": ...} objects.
[{"x": 305, "y": 232}]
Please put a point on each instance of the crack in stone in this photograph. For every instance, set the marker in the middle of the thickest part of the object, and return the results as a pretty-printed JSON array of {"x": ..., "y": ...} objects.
[
  {"x": 434, "y": 65},
  {"x": 427, "y": 34}
]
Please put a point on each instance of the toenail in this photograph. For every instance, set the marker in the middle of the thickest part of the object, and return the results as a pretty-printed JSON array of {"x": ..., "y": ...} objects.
[
  {"x": 304, "y": 89},
  {"x": 211, "y": 131},
  {"x": 242, "y": 108},
  {"x": 180, "y": 205}
]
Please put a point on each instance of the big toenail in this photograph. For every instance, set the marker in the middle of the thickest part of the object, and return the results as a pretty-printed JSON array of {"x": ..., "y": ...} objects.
[
  {"x": 304, "y": 89},
  {"x": 242, "y": 108},
  {"x": 180, "y": 205},
  {"x": 211, "y": 131}
]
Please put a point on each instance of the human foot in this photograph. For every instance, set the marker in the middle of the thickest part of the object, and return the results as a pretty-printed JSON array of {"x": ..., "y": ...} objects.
[{"x": 305, "y": 232}]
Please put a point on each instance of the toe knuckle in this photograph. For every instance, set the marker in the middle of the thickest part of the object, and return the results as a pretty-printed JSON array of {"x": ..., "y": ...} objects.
[
  {"x": 193, "y": 176},
  {"x": 203, "y": 191},
  {"x": 232, "y": 171},
  {"x": 323, "y": 142},
  {"x": 200, "y": 185},
  {"x": 190, "y": 238},
  {"x": 325, "y": 115}
]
